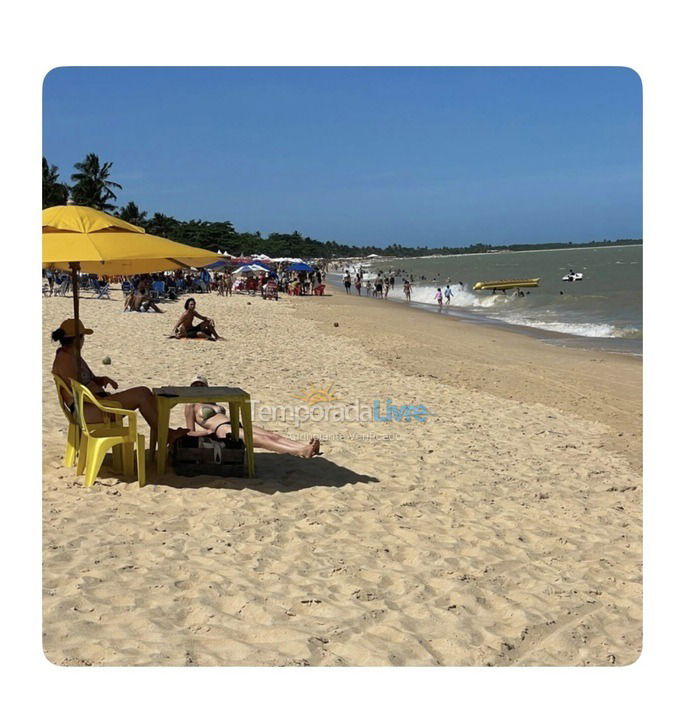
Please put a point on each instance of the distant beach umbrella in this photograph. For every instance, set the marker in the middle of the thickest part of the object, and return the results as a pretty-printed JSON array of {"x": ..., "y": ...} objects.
[{"x": 250, "y": 267}]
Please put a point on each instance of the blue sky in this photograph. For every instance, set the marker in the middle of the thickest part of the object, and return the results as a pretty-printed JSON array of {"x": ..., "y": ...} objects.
[{"x": 365, "y": 156}]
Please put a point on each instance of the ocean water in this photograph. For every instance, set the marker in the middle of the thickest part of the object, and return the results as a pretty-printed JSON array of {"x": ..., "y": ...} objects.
[{"x": 604, "y": 310}]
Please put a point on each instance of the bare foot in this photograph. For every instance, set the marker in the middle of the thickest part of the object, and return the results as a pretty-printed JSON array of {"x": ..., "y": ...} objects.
[{"x": 312, "y": 448}]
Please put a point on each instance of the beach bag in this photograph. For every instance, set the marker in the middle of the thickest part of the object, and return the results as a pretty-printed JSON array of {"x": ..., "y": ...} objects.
[{"x": 193, "y": 456}]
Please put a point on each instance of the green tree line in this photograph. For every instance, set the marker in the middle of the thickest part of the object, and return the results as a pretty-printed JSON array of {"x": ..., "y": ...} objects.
[{"x": 91, "y": 185}]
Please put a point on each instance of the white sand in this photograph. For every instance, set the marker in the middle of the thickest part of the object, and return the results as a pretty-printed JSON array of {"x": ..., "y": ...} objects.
[{"x": 502, "y": 531}]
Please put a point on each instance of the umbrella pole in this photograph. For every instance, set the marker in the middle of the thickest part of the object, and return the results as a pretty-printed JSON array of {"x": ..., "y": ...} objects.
[{"x": 74, "y": 286}]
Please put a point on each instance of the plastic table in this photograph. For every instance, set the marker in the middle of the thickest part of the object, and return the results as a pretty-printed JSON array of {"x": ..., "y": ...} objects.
[{"x": 240, "y": 410}]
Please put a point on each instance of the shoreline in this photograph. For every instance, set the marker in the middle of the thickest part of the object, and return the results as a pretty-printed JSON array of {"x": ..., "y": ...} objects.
[
  {"x": 503, "y": 349},
  {"x": 621, "y": 346}
]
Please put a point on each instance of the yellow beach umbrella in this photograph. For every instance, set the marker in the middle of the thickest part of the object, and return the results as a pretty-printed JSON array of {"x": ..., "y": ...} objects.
[
  {"x": 102, "y": 244},
  {"x": 82, "y": 219},
  {"x": 81, "y": 238}
]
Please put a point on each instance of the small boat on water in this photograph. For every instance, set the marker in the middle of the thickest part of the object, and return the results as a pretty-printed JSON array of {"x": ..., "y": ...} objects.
[
  {"x": 504, "y": 285},
  {"x": 572, "y": 277}
]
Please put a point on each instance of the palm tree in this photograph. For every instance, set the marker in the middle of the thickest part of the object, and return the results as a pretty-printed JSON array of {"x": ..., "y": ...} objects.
[
  {"x": 132, "y": 214},
  {"x": 163, "y": 225},
  {"x": 54, "y": 192},
  {"x": 92, "y": 188}
]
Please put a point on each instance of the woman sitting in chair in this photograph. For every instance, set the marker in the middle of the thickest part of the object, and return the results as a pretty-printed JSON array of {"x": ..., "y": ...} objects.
[
  {"x": 212, "y": 420},
  {"x": 65, "y": 365}
]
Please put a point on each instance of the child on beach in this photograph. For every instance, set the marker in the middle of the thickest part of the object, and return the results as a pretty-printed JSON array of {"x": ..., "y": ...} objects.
[
  {"x": 448, "y": 294},
  {"x": 438, "y": 297}
]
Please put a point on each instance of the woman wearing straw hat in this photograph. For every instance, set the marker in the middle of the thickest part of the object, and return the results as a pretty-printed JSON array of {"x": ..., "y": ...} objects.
[{"x": 68, "y": 368}]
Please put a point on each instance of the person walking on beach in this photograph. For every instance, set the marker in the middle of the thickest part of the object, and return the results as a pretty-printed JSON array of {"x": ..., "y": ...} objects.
[
  {"x": 448, "y": 294},
  {"x": 378, "y": 287},
  {"x": 407, "y": 290},
  {"x": 347, "y": 280},
  {"x": 386, "y": 287},
  {"x": 358, "y": 284},
  {"x": 368, "y": 288},
  {"x": 438, "y": 297}
]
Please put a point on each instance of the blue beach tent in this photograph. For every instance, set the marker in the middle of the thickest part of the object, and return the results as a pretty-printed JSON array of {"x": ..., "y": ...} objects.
[{"x": 300, "y": 267}]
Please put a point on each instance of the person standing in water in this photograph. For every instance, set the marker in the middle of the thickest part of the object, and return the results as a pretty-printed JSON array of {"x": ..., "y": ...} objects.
[
  {"x": 407, "y": 290},
  {"x": 358, "y": 284},
  {"x": 448, "y": 294},
  {"x": 438, "y": 297}
]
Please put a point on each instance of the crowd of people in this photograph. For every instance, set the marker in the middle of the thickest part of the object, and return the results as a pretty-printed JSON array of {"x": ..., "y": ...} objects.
[
  {"x": 384, "y": 283},
  {"x": 142, "y": 291},
  {"x": 379, "y": 287}
]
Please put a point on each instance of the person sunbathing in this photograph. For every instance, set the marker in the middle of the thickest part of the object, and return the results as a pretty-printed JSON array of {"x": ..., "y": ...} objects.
[
  {"x": 212, "y": 420},
  {"x": 140, "y": 301},
  {"x": 65, "y": 366},
  {"x": 184, "y": 328}
]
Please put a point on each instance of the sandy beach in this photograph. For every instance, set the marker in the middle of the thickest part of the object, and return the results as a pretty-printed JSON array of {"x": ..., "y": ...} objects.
[{"x": 505, "y": 530}]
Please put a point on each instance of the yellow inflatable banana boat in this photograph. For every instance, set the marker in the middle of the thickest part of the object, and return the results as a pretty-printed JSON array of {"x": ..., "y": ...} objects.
[{"x": 507, "y": 284}]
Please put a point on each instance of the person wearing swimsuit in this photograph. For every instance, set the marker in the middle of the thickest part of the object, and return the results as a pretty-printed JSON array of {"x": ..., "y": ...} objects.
[
  {"x": 65, "y": 365},
  {"x": 212, "y": 420},
  {"x": 185, "y": 328}
]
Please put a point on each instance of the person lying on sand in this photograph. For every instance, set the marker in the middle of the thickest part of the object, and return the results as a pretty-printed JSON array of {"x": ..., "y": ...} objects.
[
  {"x": 212, "y": 420},
  {"x": 65, "y": 365},
  {"x": 184, "y": 328}
]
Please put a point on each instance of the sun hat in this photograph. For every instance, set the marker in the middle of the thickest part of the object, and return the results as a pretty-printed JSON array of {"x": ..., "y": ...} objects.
[
  {"x": 199, "y": 379},
  {"x": 68, "y": 327}
]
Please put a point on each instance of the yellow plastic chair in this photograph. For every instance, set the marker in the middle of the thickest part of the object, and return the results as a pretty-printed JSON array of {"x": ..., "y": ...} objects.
[
  {"x": 98, "y": 438},
  {"x": 74, "y": 431}
]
